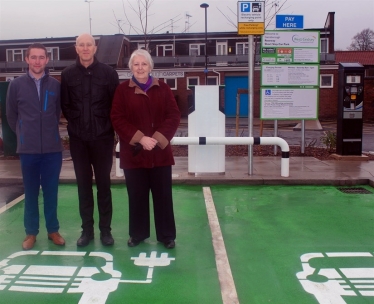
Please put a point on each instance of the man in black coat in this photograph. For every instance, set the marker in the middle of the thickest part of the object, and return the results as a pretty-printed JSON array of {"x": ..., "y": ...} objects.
[{"x": 87, "y": 90}]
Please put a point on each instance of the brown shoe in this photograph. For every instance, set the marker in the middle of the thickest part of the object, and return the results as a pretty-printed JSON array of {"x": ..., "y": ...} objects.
[
  {"x": 28, "y": 242},
  {"x": 56, "y": 238}
]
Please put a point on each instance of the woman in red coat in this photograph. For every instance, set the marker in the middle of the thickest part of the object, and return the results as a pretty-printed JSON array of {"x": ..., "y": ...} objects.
[{"x": 145, "y": 116}]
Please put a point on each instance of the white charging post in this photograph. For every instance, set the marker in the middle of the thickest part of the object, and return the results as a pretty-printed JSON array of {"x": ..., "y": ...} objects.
[{"x": 206, "y": 120}]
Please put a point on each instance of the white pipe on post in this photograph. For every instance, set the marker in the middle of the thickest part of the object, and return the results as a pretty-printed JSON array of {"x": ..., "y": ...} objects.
[
  {"x": 119, "y": 171},
  {"x": 285, "y": 162}
]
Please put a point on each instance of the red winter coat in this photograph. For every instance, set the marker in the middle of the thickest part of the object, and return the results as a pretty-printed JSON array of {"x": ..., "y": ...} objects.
[{"x": 136, "y": 114}]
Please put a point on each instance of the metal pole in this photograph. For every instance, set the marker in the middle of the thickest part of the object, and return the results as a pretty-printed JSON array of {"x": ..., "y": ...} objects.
[
  {"x": 205, "y": 6},
  {"x": 250, "y": 101},
  {"x": 303, "y": 136},
  {"x": 206, "y": 47},
  {"x": 119, "y": 26},
  {"x": 89, "y": 13},
  {"x": 275, "y": 135},
  {"x": 89, "y": 9}
]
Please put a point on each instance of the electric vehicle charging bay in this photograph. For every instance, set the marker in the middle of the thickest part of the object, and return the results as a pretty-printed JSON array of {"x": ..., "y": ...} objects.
[{"x": 284, "y": 244}]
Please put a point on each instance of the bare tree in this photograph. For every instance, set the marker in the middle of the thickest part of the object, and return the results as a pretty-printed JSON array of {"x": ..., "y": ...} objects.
[
  {"x": 363, "y": 41},
  {"x": 142, "y": 13}
]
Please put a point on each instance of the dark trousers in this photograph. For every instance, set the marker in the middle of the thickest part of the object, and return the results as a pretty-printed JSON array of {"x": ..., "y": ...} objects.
[
  {"x": 41, "y": 170},
  {"x": 94, "y": 155},
  {"x": 140, "y": 182}
]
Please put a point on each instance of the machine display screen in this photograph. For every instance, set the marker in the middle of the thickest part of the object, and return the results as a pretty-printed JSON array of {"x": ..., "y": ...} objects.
[
  {"x": 353, "y": 90},
  {"x": 353, "y": 79}
]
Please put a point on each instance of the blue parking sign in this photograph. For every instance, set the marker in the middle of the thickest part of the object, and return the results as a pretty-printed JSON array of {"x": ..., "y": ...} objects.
[{"x": 245, "y": 7}]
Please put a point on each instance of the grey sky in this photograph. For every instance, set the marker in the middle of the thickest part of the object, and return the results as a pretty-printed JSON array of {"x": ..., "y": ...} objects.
[{"x": 24, "y": 19}]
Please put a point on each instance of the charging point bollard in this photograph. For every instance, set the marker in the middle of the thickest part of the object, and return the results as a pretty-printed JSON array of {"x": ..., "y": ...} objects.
[{"x": 206, "y": 119}]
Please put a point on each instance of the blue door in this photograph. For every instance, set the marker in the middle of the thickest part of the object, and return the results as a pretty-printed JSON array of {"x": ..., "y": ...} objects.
[{"x": 232, "y": 84}]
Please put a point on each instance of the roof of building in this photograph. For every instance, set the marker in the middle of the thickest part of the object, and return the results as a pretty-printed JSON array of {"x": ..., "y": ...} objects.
[
  {"x": 109, "y": 49},
  {"x": 363, "y": 57}
]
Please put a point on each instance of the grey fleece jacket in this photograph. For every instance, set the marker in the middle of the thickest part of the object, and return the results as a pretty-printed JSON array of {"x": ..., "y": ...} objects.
[{"x": 35, "y": 120}]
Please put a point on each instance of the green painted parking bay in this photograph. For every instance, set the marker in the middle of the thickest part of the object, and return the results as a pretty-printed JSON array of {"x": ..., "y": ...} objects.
[{"x": 235, "y": 244}]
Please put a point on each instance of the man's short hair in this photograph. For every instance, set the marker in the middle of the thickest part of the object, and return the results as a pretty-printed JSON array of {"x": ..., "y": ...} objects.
[{"x": 36, "y": 46}]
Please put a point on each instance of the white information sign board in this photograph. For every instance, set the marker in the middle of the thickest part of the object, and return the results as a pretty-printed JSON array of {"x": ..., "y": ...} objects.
[
  {"x": 290, "y": 39},
  {"x": 289, "y": 75},
  {"x": 289, "y": 103}
]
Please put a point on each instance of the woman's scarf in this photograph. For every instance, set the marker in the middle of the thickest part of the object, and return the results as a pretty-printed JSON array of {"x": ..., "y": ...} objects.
[{"x": 143, "y": 86}]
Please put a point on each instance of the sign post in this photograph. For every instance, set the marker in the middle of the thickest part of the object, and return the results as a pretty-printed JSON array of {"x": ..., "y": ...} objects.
[{"x": 251, "y": 21}]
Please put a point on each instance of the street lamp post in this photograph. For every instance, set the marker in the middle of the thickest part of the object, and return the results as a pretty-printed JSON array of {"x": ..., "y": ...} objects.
[
  {"x": 89, "y": 12},
  {"x": 205, "y": 6}
]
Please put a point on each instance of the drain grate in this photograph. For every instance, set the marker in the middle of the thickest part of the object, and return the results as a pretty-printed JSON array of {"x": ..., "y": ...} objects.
[{"x": 356, "y": 190}]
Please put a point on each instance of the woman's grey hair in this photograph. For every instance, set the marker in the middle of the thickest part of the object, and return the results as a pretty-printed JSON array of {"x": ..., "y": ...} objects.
[{"x": 143, "y": 53}]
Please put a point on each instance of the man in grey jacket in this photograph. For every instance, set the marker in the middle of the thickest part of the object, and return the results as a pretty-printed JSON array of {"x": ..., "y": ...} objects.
[{"x": 33, "y": 111}]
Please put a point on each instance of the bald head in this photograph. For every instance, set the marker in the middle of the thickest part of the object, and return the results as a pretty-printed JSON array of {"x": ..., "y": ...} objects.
[
  {"x": 85, "y": 37},
  {"x": 86, "y": 49}
]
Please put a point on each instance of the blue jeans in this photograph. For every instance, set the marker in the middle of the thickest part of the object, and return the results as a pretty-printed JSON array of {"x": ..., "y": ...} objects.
[{"x": 41, "y": 170}]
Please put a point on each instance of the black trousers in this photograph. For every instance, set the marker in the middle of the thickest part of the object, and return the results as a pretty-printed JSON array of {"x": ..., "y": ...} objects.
[
  {"x": 93, "y": 157},
  {"x": 140, "y": 183}
]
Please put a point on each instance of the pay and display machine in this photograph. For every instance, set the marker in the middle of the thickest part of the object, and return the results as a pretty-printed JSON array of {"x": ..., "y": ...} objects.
[{"x": 350, "y": 109}]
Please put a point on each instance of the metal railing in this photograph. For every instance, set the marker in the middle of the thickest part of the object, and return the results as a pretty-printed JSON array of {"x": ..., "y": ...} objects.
[{"x": 285, "y": 161}]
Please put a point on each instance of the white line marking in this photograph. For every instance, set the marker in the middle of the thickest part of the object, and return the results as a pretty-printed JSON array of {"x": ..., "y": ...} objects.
[
  {"x": 69, "y": 253},
  {"x": 12, "y": 203},
  {"x": 228, "y": 290}
]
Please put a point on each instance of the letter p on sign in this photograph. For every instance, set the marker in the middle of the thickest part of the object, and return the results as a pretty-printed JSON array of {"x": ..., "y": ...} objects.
[{"x": 245, "y": 7}]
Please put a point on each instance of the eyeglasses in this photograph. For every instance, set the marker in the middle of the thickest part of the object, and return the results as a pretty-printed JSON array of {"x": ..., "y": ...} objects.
[{"x": 83, "y": 45}]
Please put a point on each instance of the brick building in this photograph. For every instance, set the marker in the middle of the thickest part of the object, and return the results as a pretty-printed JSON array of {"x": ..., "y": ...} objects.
[{"x": 180, "y": 61}]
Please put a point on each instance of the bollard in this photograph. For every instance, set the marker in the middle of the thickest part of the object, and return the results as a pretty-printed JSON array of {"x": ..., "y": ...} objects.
[{"x": 119, "y": 171}]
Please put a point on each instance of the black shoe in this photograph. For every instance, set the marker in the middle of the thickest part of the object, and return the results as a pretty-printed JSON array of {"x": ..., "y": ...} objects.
[
  {"x": 132, "y": 242},
  {"x": 85, "y": 239},
  {"x": 169, "y": 244},
  {"x": 106, "y": 238}
]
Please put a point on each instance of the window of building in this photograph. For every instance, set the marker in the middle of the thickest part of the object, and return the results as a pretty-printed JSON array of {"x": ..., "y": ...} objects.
[
  {"x": 369, "y": 72},
  {"x": 141, "y": 46},
  {"x": 212, "y": 80},
  {"x": 241, "y": 48},
  {"x": 192, "y": 81},
  {"x": 20, "y": 54},
  {"x": 324, "y": 45},
  {"x": 171, "y": 82},
  {"x": 327, "y": 81},
  {"x": 164, "y": 50},
  {"x": 221, "y": 48},
  {"x": 53, "y": 53},
  {"x": 16, "y": 55},
  {"x": 197, "y": 49}
]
